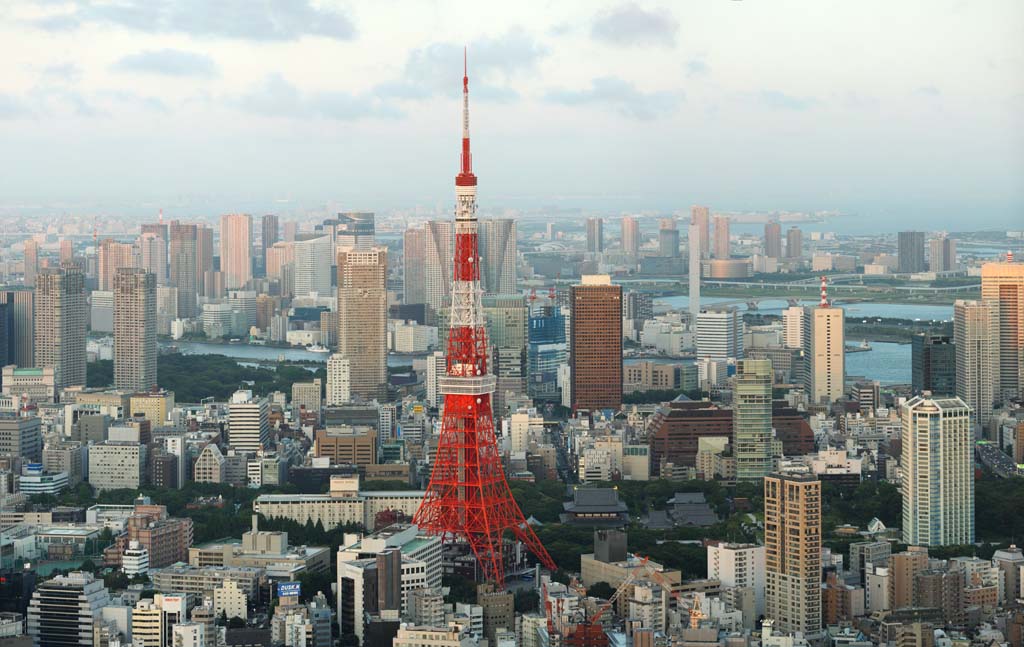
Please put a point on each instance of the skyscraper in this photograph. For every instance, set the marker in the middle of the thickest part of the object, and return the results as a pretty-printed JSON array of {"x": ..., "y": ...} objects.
[
  {"x": 67, "y": 250},
  {"x": 693, "y": 240},
  {"x": 546, "y": 352},
  {"x": 339, "y": 385},
  {"x": 824, "y": 338},
  {"x": 204, "y": 258},
  {"x": 134, "y": 329},
  {"x": 794, "y": 243},
  {"x": 354, "y": 229},
  {"x": 498, "y": 255},
  {"x": 362, "y": 319},
  {"x": 773, "y": 239},
  {"x": 752, "y": 421},
  {"x": 31, "y": 261},
  {"x": 938, "y": 472},
  {"x": 721, "y": 237},
  {"x": 1004, "y": 284},
  {"x": 911, "y": 252},
  {"x": 719, "y": 333},
  {"x": 793, "y": 327},
  {"x": 60, "y": 324},
  {"x": 437, "y": 275},
  {"x": 630, "y": 236},
  {"x": 248, "y": 422},
  {"x": 63, "y": 609},
  {"x": 595, "y": 356},
  {"x": 21, "y": 334},
  {"x": 183, "y": 265},
  {"x": 942, "y": 254},
  {"x": 153, "y": 255},
  {"x": 792, "y": 539},
  {"x": 236, "y": 249},
  {"x": 976, "y": 336},
  {"x": 269, "y": 234},
  {"x": 668, "y": 238},
  {"x": 702, "y": 217},
  {"x": 933, "y": 364},
  {"x": 414, "y": 262},
  {"x": 595, "y": 235},
  {"x": 312, "y": 266},
  {"x": 113, "y": 255}
]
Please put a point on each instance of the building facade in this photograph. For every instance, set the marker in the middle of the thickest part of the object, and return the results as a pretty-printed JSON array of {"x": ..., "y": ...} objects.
[
  {"x": 134, "y": 329},
  {"x": 596, "y": 347},
  {"x": 362, "y": 319},
  {"x": 60, "y": 314},
  {"x": 792, "y": 538}
]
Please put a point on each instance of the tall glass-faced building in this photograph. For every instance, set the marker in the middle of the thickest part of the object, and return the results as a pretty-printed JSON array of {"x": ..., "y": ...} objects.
[{"x": 546, "y": 351}]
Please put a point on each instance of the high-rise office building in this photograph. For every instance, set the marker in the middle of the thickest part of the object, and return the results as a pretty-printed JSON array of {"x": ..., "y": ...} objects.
[
  {"x": 414, "y": 262},
  {"x": 153, "y": 255},
  {"x": 236, "y": 249},
  {"x": 21, "y": 332},
  {"x": 910, "y": 252},
  {"x": 824, "y": 339},
  {"x": 183, "y": 263},
  {"x": 248, "y": 422},
  {"x": 312, "y": 266},
  {"x": 792, "y": 539},
  {"x": 1003, "y": 283},
  {"x": 702, "y": 217},
  {"x": 506, "y": 316},
  {"x": 21, "y": 436},
  {"x": 933, "y": 364},
  {"x": 794, "y": 243},
  {"x": 546, "y": 352},
  {"x": 595, "y": 235},
  {"x": 63, "y": 609},
  {"x": 976, "y": 337},
  {"x": 752, "y": 420},
  {"x": 693, "y": 272},
  {"x": 721, "y": 247},
  {"x": 134, "y": 329},
  {"x": 596, "y": 344},
  {"x": 31, "y": 262},
  {"x": 719, "y": 333},
  {"x": 204, "y": 260},
  {"x": 942, "y": 254},
  {"x": 113, "y": 255},
  {"x": 668, "y": 238},
  {"x": 60, "y": 314},
  {"x": 362, "y": 319},
  {"x": 793, "y": 327},
  {"x": 773, "y": 239},
  {"x": 937, "y": 472},
  {"x": 353, "y": 229},
  {"x": 498, "y": 255},
  {"x": 269, "y": 234},
  {"x": 437, "y": 274},
  {"x": 630, "y": 236}
]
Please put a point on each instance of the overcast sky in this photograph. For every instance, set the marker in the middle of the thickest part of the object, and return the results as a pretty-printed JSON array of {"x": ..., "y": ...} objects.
[{"x": 908, "y": 109}]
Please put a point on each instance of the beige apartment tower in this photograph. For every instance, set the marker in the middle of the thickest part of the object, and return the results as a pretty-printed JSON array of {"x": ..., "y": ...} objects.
[
  {"x": 701, "y": 216},
  {"x": 60, "y": 323},
  {"x": 1004, "y": 284},
  {"x": 134, "y": 329},
  {"x": 112, "y": 257},
  {"x": 236, "y": 249},
  {"x": 792, "y": 539},
  {"x": 182, "y": 263},
  {"x": 824, "y": 342},
  {"x": 362, "y": 319},
  {"x": 721, "y": 237},
  {"x": 976, "y": 336}
]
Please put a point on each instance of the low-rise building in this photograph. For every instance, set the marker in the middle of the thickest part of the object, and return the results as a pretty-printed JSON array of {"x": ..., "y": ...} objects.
[
  {"x": 117, "y": 465},
  {"x": 344, "y": 503},
  {"x": 264, "y": 549},
  {"x": 202, "y": 581}
]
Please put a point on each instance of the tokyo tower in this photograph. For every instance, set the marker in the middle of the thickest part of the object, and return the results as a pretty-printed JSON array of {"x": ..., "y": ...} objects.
[{"x": 468, "y": 497}]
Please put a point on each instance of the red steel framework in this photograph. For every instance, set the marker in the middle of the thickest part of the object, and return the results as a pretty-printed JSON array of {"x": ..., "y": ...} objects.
[{"x": 468, "y": 498}]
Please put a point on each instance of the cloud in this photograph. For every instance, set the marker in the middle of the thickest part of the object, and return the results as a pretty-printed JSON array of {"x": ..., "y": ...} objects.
[
  {"x": 621, "y": 96},
  {"x": 781, "y": 101},
  {"x": 168, "y": 62},
  {"x": 631, "y": 25},
  {"x": 68, "y": 72},
  {"x": 436, "y": 68},
  {"x": 697, "y": 67},
  {"x": 260, "y": 20},
  {"x": 278, "y": 98},
  {"x": 929, "y": 91},
  {"x": 12, "y": 107}
]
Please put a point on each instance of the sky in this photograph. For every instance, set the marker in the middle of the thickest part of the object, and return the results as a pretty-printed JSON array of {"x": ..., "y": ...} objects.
[{"x": 905, "y": 112}]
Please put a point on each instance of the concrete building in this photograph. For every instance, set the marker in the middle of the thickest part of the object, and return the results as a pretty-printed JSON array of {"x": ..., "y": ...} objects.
[
  {"x": 1003, "y": 283},
  {"x": 63, "y": 609},
  {"x": 362, "y": 319},
  {"x": 21, "y": 436},
  {"x": 439, "y": 258},
  {"x": 344, "y": 503},
  {"x": 415, "y": 636},
  {"x": 248, "y": 422},
  {"x": 201, "y": 582},
  {"x": 824, "y": 342},
  {"x": 937, "y": 468},
  {"x": 498, "y": 255},
  {"x": 117, "y": 465},
  {"x": 792, "y": 537},
  {"x": 596, "y": 344},
  {"x": 313, "y": 258},
  {"x": 113, "y": 256},
  {"x": 414, "y": 262},
  {"x": 773, "y": 239},
  {"x": 793, "y": 327},
  {"x": 20, "y": 337},
  {"x": 60, "y": 324},
  {"x": 794, "y": 243},
  {"x": 595, "y": 235},
  {"x": 339, "y": 384},
  {"x": 236, "y": 249},
  {"x": 183, "y": 265},
  {"x": 721, "y": 245},
  {"x": 719, "y": 333},
  {"x": 308, "y": 396},
  {"x": 264, "y": 549},
  {"x": 134, "y": 329},
  {"x": 752, "y": 420},
  {"x": 976, "y": 336},
  {"x": 346, "y": 445},
  {"x": 739, "y": 566},
  {"x": 631, "y": 237},
  {"x": 230, "y": 600},
  {"x": 911, "y": 252},
  {"x": 209, "y": 466},
  {"x": 942, "y": 254},
  {"x": 933, "y": 364}
]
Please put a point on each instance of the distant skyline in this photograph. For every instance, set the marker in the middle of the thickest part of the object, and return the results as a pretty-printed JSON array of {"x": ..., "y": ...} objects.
[{"x": 909, "y": 113}]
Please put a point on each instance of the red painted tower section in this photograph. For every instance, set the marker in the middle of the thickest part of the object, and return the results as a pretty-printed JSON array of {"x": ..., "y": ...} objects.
[{"x": 468, "y": 497}]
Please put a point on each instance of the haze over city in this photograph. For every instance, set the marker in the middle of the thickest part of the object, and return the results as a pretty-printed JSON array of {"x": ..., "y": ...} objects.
[{"x": 904, "y": 113}]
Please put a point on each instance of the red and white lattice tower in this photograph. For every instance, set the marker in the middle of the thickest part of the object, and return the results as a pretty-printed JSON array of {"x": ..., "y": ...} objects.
[{"x": 468, "y": 498}]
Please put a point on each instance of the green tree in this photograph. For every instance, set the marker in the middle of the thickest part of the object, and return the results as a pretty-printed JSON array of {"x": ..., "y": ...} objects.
[{"x": 601, "y": 590}]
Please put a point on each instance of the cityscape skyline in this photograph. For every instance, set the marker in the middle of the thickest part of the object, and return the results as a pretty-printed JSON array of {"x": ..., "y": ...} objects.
[{"x": 772, "y": 127}]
